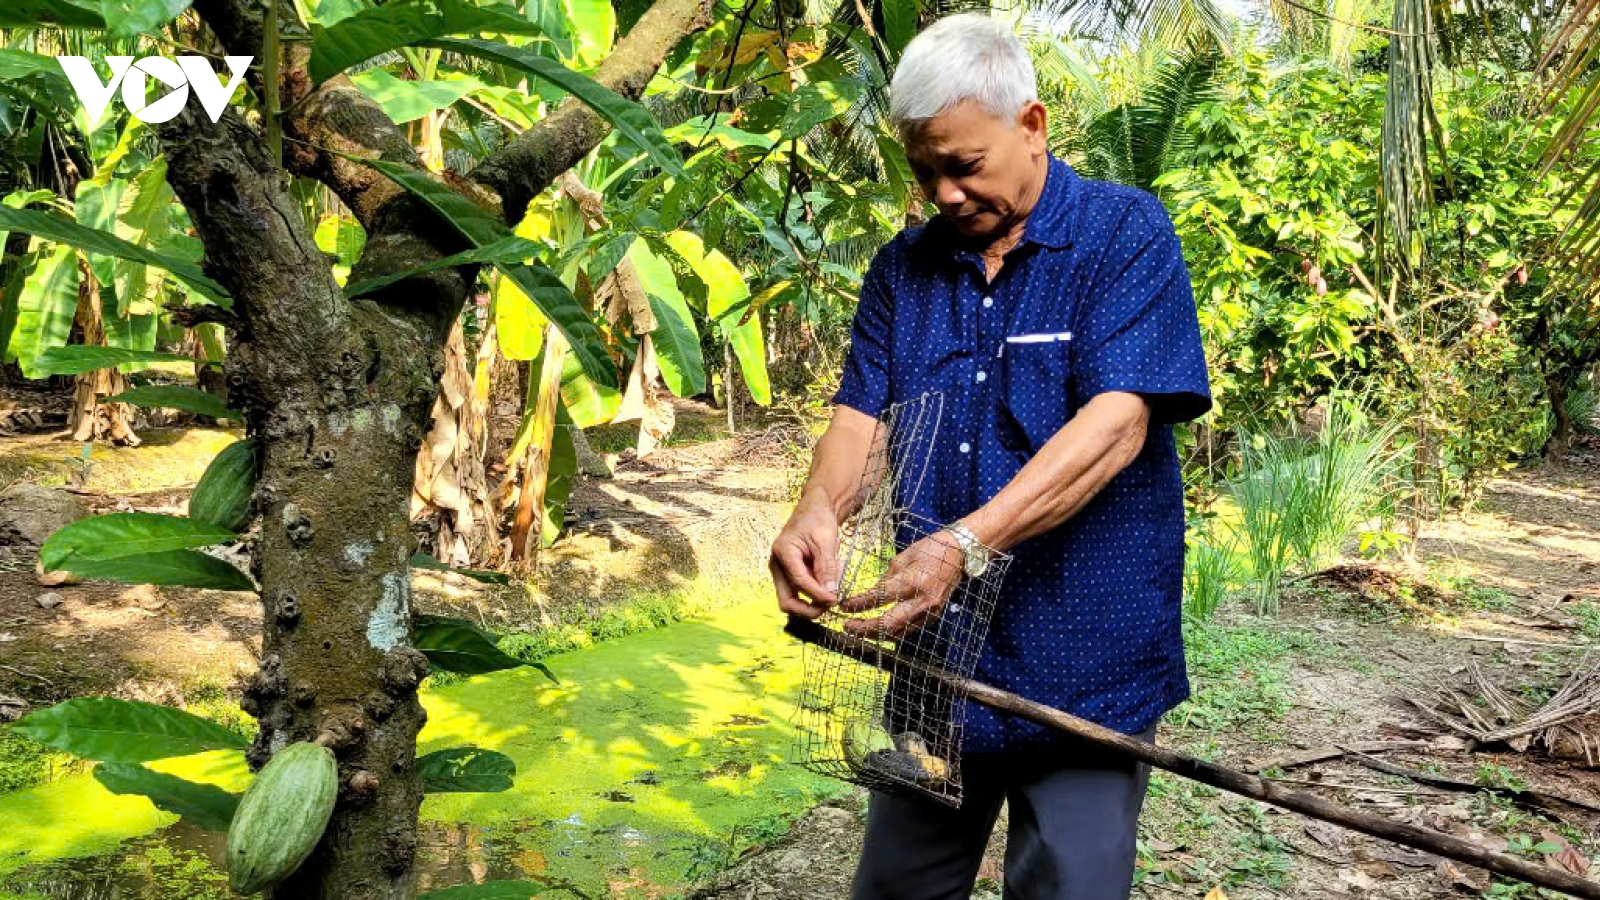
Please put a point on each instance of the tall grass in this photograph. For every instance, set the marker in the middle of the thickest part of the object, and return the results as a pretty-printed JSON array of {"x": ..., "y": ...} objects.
[
  {"x": 1211, "y": 569},
  {"x": 1300, "y": 498}
]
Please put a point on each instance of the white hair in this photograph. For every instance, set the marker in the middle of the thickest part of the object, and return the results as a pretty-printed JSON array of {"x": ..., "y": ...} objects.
[{"x": 969, "y": 56}]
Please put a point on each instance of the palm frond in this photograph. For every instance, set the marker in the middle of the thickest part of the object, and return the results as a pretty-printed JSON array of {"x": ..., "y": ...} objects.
[
  {"x": 1343, "y": 36},
  {"x": 1405, "y": 193},
  {"x": 1135, "y": 143}
]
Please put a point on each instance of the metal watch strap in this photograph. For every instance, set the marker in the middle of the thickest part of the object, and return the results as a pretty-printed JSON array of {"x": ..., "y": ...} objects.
[{"x": 968, "y": 543}]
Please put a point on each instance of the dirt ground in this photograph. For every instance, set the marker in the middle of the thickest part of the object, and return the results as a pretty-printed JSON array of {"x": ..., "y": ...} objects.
[{"x": 1513, "y": 587}]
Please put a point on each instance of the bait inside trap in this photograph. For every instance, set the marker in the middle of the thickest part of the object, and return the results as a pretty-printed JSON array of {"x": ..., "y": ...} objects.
[{"x": 892, "y": 725}]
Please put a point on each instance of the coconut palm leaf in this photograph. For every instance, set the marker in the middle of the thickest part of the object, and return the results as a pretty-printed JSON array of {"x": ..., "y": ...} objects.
[
  {"x": 1135, "y": 143},
  {"x": 1405, "y": 193}
]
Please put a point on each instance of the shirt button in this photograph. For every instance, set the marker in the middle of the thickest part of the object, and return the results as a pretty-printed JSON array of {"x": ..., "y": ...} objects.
[
  {"x": 988, "y": 302},
  {"x": 982, "y": 375},
  {"x": 965, "y": 447}
]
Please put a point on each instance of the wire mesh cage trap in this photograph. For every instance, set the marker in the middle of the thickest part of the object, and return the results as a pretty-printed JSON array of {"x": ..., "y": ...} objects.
[{"x": 896, "y": 726}]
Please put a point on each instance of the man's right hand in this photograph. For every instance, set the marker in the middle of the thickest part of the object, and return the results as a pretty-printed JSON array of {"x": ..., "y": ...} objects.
[{"x": 805, "y": 560}]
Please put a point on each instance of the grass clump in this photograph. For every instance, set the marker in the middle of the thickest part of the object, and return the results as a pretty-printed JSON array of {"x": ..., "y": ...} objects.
[{"x": 1300, "y": 498}]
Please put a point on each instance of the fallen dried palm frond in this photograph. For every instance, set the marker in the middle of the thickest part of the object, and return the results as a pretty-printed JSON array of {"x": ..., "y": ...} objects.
[{"x": 1565, "y": 725}]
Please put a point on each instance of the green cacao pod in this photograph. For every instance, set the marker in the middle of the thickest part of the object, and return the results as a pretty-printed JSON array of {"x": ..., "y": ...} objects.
[{"x": 282, "y": 816}]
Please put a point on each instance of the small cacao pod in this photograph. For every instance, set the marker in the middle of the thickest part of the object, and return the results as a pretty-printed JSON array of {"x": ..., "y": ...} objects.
[
  {"x": 1305, "y": 265},
  {"x": 1313, "y": 274},
  {"x": 282, "y": 816},
  {"x": 1522, "y": 274},
  {"x": 1322, "y": 286}
]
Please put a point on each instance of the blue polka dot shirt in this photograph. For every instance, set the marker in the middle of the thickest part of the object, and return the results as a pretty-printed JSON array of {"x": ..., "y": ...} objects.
[{"x": 1095, "y": 298}]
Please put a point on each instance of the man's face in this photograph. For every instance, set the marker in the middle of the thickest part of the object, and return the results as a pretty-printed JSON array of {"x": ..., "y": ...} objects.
[{"x": 978, "y": 169}]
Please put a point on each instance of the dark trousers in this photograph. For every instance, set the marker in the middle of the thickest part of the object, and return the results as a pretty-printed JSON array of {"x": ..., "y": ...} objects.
[{"x": 1074, "y": 818}]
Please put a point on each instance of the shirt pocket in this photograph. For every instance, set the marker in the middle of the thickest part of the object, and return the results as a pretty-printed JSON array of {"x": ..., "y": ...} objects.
[{"x": 1035, "y": 387}]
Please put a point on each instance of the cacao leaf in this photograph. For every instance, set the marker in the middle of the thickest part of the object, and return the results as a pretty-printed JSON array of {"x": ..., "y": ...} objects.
[
  {"x": 51, "y": 227},
  {"x": 124, "y": 731},
  {"x": 456, "y": 645},
  {"x": 174, "y": 396},
  {"x": 202, "y": 805},
  {"x": 126, "y": 534},
  {"x": 489, "y": 890},
  {"x": 75, "y": 359},
  {"x": 222, "y": 498},
  {"x": 375, "y": 31},
  {"x": 424, "y": 561},
  {"x": 173, "y": 568},
  {"x": 507, "y": 250},
  {"x": 630, "y": 119},
  {"x": 465, "y": 770},
  {"x": 536, "y": 280}
]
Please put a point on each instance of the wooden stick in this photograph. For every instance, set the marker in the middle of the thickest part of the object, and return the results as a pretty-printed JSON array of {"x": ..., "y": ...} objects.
[
  {"x": 1327, "y": 753},
  {"x": 1204, "y": 772},
  {"x": 1525, "y": 796},
  {"x": 1511, "y": 639},
  {"x": 1362, "y": 788}
]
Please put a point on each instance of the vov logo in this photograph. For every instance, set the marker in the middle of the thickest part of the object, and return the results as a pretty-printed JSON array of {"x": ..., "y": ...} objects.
[{"x": 180, "y": 75}]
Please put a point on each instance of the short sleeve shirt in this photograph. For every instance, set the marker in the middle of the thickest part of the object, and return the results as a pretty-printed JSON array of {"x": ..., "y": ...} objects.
[{"x": 1094, "y": 298}]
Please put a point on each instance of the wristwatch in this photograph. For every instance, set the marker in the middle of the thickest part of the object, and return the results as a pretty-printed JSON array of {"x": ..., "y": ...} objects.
[{"x": 974, "y": 555}]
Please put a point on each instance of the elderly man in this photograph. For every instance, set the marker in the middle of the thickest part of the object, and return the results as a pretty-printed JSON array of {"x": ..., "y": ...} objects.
[{"x": 1055, "y": 315}]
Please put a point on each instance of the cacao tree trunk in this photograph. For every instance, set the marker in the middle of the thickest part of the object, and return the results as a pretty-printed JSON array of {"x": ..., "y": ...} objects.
[{"x": 336, "y": 393}]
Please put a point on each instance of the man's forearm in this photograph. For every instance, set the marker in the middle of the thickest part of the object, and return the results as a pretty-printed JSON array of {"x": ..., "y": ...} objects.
[
  {"x": 1072, "y": 467},
  {"x": 839, "y": 461}
]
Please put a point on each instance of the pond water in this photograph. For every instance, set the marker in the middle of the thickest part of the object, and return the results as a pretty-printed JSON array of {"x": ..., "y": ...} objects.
[{"x": 656, "y": 757}]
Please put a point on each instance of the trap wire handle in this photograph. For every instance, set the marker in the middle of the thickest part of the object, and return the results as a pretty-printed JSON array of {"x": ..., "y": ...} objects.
[{"x": 1227, "y": 779}]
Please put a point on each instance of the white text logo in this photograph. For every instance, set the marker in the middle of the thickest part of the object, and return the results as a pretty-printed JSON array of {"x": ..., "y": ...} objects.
[{"x": 180, "y": 75}]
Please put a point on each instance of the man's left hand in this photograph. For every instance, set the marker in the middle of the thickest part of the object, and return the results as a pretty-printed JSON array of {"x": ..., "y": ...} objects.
[{"x": 919, "y": 582}]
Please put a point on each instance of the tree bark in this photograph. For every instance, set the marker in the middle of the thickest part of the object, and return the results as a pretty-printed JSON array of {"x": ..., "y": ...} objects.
[
  {"x": 337, "y": 393},
  {"x": 1560, "y": 436}
]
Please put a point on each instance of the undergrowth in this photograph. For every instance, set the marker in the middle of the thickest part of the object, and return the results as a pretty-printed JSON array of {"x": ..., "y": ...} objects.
[{"x": 1238, "y": 678}]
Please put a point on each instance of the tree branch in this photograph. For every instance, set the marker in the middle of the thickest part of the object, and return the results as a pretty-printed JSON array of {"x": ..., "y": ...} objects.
[
  {"x": 530, "y": 162},
  {"x": 259, "y": 248}
]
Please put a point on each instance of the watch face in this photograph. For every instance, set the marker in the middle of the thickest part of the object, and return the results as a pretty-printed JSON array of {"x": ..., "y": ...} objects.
[{"x": 977, "y": 561}]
